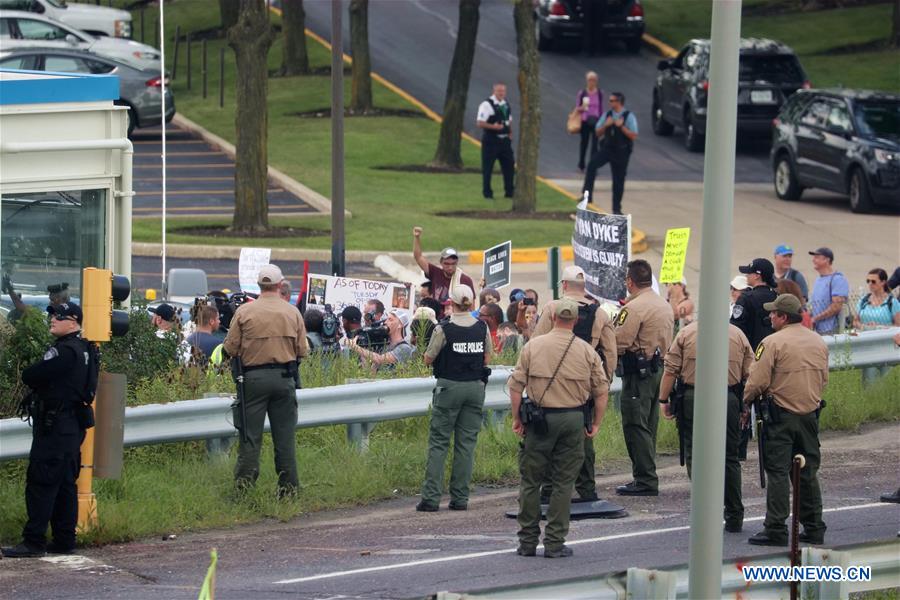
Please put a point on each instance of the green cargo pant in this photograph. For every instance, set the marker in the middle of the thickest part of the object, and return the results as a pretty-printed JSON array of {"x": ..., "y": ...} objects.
[
  {"x": 560, "y": 452},
  {"x": 640, "y": 419},
  {"x": 794, "y": 434},
  {"x": 734, "y": 506},
  {"x": 267, "y": 391},
  {"x": 585, "y": 483},
  {"x": 456, "y": 410}
]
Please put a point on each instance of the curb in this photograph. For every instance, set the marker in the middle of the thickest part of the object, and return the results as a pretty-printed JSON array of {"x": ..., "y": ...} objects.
[
  {"x": 660, "y": 46},
  {"x": 311, "y": 197}
]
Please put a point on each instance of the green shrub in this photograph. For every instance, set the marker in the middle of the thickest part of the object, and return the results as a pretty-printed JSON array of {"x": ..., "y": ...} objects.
[{"x": 23, "y": 343}]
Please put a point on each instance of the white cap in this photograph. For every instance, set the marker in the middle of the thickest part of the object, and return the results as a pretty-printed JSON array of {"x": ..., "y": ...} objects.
[
  {"x": 740, "y": 282},
  {"x": 461, "y": 294},
  {"x": 269, "y": 274},
  {"x": 572, "y": 273},
  {"x": 425, "y": 312},
  {"x": 402, "y": 315}
]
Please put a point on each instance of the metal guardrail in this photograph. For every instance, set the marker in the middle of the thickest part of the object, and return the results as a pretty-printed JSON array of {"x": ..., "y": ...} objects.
[
  {"x": 671, "y": 584},
  {"x": 210, "y": 418}
]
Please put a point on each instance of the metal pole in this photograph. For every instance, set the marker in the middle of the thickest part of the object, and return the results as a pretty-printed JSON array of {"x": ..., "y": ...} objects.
[
  {"x": 553, "y": 265},
  {"x": 175, "y": 52},
  {"x": 189, "y": 60},
  {"x": 799, "y": 462},
  {"x": 203, "y": 65},
  {"x": 708, "y": 481},
  {"x": 221, "y": 76},
  {"x": 161, "y": 25},
  {"x": 337, "y": 142}
]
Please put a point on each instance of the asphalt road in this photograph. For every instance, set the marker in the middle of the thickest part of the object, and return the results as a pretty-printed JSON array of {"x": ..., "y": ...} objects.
[
  {"x": 386, "y": 550},
  {"x": 412, "y": 45}
]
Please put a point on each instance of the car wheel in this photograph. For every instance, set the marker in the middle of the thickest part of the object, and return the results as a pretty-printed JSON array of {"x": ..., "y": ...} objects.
[
  {"x": 660, "y": 125},
  {"x": 693, "y": 140},
  {"x": 786, "y": 186},
  {"x": 633, "y": 45},
  {"x": 860, "y": 198},
  {"x": 543, "y": 42}
]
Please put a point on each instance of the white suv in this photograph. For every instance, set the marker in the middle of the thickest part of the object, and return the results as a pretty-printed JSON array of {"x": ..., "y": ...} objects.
[{"x": 95, "y": 20}]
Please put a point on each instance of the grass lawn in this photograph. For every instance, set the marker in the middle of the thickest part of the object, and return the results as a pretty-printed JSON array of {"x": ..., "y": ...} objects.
[
  {"x": 385, "y": 204},
  {"x": 813, "y": 35}
]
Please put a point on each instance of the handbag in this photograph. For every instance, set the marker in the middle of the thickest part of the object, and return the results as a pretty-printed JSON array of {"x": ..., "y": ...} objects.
[{"x": 573, "y": 123}]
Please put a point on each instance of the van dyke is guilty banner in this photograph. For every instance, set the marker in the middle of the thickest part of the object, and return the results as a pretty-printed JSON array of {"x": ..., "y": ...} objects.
[{"x": 602, "y": 247}]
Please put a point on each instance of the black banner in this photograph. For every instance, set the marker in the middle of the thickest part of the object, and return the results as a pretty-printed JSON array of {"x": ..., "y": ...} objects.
[
  {"x": 602, "y": 246},
  {"x": 497, "y": 266}
]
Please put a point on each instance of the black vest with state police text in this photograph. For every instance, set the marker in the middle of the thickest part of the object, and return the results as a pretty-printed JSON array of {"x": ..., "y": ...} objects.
[{"x": 462, "y": 357}]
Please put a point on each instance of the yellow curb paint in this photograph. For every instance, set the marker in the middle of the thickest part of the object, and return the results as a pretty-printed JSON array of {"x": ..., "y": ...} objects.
[{"x": 663, "y": 48}]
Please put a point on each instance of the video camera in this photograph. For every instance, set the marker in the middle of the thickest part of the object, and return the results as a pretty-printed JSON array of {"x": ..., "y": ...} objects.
[
  {"x": 374, "y": 337},
  {"x": 330, "y": 330}
]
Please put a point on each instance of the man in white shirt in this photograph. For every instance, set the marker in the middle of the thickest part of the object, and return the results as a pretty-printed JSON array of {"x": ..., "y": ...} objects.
[{"x": 495, "y": 121}]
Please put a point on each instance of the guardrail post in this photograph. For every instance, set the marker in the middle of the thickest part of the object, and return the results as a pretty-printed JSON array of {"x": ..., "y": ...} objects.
[
  {"x": 218, "y": 447},
  {"x": 822, "y": 557},
  {"x": 871, "y": 375},
  {"x": 358, "y": 435},
  {"x": 652, "y": 585}
]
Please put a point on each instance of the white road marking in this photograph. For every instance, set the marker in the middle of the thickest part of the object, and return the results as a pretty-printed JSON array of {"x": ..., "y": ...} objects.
[
  {"x": 77, "y": 562},
  {"x": 606, "y": 538}
]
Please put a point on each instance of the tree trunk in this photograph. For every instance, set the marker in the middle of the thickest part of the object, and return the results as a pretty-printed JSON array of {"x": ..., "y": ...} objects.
[
  {"x": 229, "y": 10},
  {"x": 251, "y": 39},
  {"x": 447, "y": 154},
  {"x": 293, "y": 22},
  {"x": 895, "y": 29},
  {"x": 525, "y": 197},
  {"x": 361, "y": 72}
]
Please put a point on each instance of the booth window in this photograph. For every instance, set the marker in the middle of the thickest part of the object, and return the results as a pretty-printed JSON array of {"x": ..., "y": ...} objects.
[{"x": 46, "y": 239}]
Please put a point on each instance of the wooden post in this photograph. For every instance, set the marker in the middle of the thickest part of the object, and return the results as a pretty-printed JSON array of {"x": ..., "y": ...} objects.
[
  {"x": 189, "y": 60},
  {"x": 221, "y": 76},
  {"x": 203, "y": 65},
  {"x": 175, "y": 57}
]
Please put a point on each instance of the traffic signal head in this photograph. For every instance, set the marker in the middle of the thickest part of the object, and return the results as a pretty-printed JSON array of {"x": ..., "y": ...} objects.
[{"x": 99, "y": 289}]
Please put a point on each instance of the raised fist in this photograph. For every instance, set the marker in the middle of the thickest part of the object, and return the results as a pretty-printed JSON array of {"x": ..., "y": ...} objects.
[{"x": 417, "y": 231}]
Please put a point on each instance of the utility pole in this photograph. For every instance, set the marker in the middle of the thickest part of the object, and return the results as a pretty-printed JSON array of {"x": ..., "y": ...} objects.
[
  {"x": 337, "y": 142},
  {"x": 708, "y": 480}
]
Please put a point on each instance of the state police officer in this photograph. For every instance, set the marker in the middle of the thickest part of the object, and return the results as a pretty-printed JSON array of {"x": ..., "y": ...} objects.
[
  {"x": 269, "y": 337},
  {"x": 560, "y": 372},
  {"x": 681, "y": 365},
  {"x": 792, "y": 367},
  {"x": 495, "y": 120},
  {"x": 644, "y": 329},
  {"x": 748, "y": 313},
  {"x": 64, "y": 383},
  {"x": 459, "y": 351},
  {"x": 595, "y": 328}
]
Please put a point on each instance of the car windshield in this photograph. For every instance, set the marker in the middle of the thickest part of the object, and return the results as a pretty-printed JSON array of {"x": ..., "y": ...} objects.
[
  {"x": 57, "y": 3},
  {"x": 777, "y": 69},
  {"x": 878, "y": 118}
]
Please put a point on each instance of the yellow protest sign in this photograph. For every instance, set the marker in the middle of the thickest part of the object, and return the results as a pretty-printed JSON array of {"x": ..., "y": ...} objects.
[{"x": 674, "y": 254}]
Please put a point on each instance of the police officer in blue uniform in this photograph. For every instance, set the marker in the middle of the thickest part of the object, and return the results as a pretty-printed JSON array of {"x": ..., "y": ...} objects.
[
  {"x": 63, "y": 385},
  {"x": 617, "y": 130},
  {"x": 495, "y": 120}
]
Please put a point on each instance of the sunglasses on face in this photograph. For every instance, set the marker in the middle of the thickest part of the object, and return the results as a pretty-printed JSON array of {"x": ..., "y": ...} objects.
[
  {"x": 871, "y": 281},
  {"x": 62, "y": 318}
]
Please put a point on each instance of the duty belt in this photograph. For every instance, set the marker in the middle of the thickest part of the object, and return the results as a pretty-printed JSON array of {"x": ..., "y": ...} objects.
[
  {"x": 566, "y": 409},
  {"x": 267, "y": 366}
]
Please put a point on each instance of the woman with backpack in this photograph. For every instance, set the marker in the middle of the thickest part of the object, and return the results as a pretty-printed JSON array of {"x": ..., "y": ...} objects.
[{"x": 878, "y": 308}]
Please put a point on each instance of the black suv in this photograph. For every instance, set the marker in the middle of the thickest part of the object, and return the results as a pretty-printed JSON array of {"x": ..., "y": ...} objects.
[
  {"x": 769, "y": 73},
  {"x": 846, "y": 141},
  {"x": 563, "y": 20}
]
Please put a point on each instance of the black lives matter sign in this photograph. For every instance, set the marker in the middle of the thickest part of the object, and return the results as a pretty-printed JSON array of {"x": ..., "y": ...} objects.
[
  {"x": 602, "y": 248},
  {"x": 497, "y": 266}
]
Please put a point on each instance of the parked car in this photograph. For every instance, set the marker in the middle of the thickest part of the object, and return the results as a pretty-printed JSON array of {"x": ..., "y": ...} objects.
[
  {"x": 22, "y": 29},
  {"x": 558, "y": 21},
  {"x": 846, "y": 141},
  {"x": 769, "y": 73},
  {"x": 95, "y": 20},
  {"x": 139, "y": 89}
]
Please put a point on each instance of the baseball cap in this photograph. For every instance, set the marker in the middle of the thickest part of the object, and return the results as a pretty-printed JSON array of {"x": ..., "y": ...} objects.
[
  {"x": 269, "y": 274},
  {"x": 786, "y": 303},
  {"x": 164, "y": 311},
  {"x": 66, "y": 309},
  {"x": 425, "y": 313},
  {"x": 56, "y": 288},
  {"x": 740, "y": 282},
  {"x": 572, "y": 273},
  {"x": 823, "y": 251},
  {"x": 760, "y": 266},
  {"x": 461, "y": 293},
  {"x": 516, "y": 294},
  {"x": 351, "y": 314},
  {"x": 402, "y": 316},
  {"x": 566, "y": 308},
  {"x": 448, "y": 253},
  {"x": 783, "y": 249}
]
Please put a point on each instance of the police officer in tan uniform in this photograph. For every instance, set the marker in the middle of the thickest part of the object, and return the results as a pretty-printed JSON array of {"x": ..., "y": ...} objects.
[
  {"x": 269, "y": 337},
  {"x": 594, "y": 327},
  {"x": 644, "y": 330},
  {"x": 681, "y": 366},
  {"x": 792, "y": 368},
  {"x": 560, "y": 372}
]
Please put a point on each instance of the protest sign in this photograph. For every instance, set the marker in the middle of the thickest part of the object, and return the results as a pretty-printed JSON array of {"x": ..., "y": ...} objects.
[
  {"x": 248, "y": 267},
  {"x": 674, "y": 255},
  {"x": 602, "y": 247},
  {"x": 497, "y": 270},
  {"x": 341, "y": 292}
]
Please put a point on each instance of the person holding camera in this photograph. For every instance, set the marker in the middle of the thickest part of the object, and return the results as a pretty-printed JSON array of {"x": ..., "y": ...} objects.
[
  {"x": 63, "y": 384},
  {"x": 559, "y": 372},
  {"x": 644, "y": 330},
  {"x": 397, "y": 351},
  {"x": 595, "y": 328},
  {"x": 459, "y": 352}
]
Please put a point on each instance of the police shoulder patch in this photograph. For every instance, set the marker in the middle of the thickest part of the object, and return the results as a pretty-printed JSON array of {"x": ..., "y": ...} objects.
[
  {"x": 759, "y": 351},
  {"x": 737, "y": 311},
  {"x": 623, "y": 314},
  {"x": 51, "y": 353}
]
